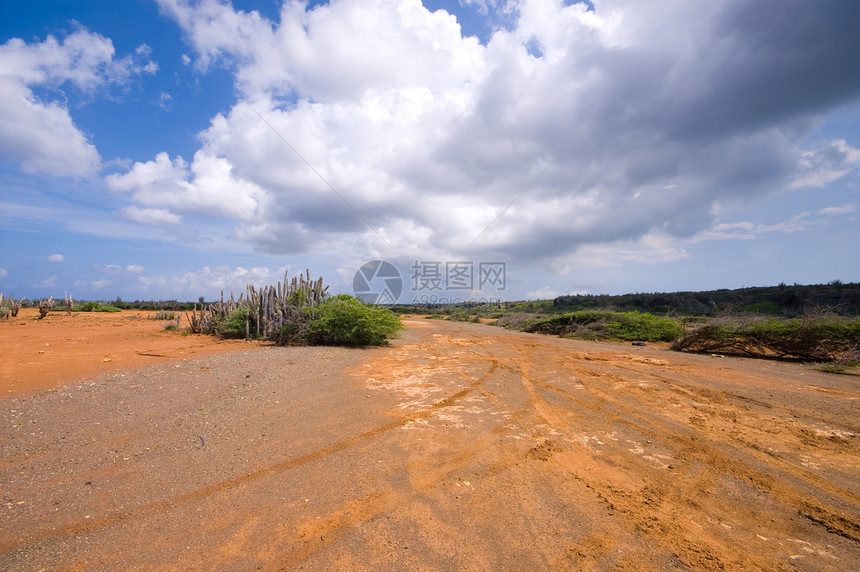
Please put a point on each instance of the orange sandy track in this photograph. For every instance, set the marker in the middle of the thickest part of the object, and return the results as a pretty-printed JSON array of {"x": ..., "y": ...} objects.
[
  {"x": 42, "y": 354},
  {"x": 460, "y": 447}
]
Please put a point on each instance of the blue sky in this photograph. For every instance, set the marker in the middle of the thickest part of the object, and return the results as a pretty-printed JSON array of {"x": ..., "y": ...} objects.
[{"x": 171, "y": 149}]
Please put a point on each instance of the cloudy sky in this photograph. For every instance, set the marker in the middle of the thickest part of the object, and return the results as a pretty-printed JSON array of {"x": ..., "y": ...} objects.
[{"x": 174, "y": 148}]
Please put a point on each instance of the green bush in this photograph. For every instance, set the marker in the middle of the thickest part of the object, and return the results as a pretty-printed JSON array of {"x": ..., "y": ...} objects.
[
  {"x": 96, "y": 307},
  {"x": 234, "y": 325},
  {"x": 347, "y": 321},
  {"x": 633, "y": 326},
  {"x": 602, "y": 324}
]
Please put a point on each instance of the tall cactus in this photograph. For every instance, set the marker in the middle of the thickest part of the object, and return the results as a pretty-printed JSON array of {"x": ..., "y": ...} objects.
[{"x": 269, "y": 307}]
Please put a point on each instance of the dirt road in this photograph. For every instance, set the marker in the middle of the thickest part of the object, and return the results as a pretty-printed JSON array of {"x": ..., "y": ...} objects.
[{"x": 461, "y": 447}]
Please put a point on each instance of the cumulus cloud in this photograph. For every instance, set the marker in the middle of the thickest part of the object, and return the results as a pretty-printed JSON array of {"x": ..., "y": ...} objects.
[
  {"x": 135, "y": 268},
  {"x": 569, "y": 130},
  {"x": 207, "y": 187},
  {"x": 3, "y": 273},
  {"x": 38, "y": 134},
  {"x": 56, "y": 258}
]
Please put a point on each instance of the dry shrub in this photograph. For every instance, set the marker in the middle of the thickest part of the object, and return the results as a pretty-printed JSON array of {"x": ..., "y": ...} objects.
[{"x": 818, "y": 336}]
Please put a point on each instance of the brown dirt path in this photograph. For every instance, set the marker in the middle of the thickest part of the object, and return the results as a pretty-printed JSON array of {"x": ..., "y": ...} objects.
[{"x": 461, "y": 447}]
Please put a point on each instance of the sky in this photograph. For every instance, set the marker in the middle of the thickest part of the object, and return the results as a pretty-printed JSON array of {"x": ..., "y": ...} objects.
[{"x": 483, "y": 149}]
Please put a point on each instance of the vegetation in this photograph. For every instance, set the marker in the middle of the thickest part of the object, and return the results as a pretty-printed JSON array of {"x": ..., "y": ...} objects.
[
  {"x": 816, "y": 323},
  {"x": 259, "y": 314},
  {"x": 347, "y": 321},
  {"x": 96, "y": 307},
  {"x": 295, "y": 312},
  {"x": 817, "y": 337},
  {"x": 781, "y": 300},
  {"x": 602, "y": 325},
  {"x": 45, "y": 307}
]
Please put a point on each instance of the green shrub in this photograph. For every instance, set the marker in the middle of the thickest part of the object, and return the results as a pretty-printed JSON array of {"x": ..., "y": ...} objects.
[
  {"x": 96, "y": 307},
  {"x": 234, "y": 325},
  {"x": 633, "y": 326},
  {"x": 820, "y": 338},
  {"x": 347, "y": 321},
  {"x": 603, "y": 325},
  {"x": 769, "y": 308}
]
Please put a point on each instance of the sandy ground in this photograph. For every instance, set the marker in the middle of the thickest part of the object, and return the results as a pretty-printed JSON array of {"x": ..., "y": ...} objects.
[
  {"x": 460, "y": 447},
  {"x": 41, "y": 354}
]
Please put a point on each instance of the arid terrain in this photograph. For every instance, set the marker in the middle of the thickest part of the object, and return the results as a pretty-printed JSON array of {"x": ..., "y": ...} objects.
[{"x": 459, "y": 447}]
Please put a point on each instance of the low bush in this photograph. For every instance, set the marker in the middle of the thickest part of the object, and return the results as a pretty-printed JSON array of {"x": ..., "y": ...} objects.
[
  {"x": 344, "y": 320},
  {"x": 633, "y": 326},
  {"x": 816, "y": 337},
  {"x": 598, "y": 324},
  {"x": 291, "y": 333},
  {"x": 95, "y": 307}
]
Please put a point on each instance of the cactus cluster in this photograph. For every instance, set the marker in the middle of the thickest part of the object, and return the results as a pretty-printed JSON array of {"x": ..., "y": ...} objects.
[
  {"x": 45, "y": 306},
  {"x": 265, "y": 311},
  {"x": 9, "y": 306}
]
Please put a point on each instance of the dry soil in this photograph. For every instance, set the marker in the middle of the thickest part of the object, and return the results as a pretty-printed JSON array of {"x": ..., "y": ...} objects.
[{"x": 459, "y": 447}]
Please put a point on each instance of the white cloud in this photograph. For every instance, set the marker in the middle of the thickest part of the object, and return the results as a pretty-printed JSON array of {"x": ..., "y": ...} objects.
[
  {"x": 117, "y": 269},
  {"x": 165, "y": 101},
  {"x": 49, "y": 282},
  {"x": 150, "y": 216},
  {"x": 617, "y": 130},
  {"x": 843, "y": 210},
  {"x": 56, "y": 258},
  {"x": 545, "y": 293},
  {"x": 168, "y": 188},
  {"x": 93, "y": 284},
  {"x": 831, "y": 161},
  {"x": 109, "y": 268},
  {"x": 3, "y": 273},
  {"x": 41, "y": 135}
]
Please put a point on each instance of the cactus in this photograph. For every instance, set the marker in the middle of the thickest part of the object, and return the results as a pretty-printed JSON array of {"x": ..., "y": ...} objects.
[
  {"x": 45, "y": 307},
  {"x": 269, "y": 307}
]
